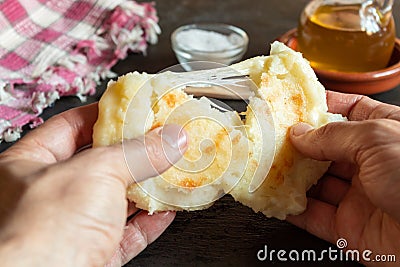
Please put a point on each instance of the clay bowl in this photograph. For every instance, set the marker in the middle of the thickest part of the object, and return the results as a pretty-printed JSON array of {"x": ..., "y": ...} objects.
[{"x": 366, "y": 83}]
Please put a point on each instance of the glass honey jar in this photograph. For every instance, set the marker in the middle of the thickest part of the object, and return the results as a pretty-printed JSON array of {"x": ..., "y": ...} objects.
[{"x": 348, "y": 36}]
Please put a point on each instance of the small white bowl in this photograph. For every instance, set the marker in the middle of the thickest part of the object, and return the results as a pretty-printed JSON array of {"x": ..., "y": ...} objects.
[{"x": 212, "y": 42}]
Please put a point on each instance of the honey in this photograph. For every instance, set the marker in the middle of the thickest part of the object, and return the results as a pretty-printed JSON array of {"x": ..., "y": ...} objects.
[{"x": 333, "y": 38}]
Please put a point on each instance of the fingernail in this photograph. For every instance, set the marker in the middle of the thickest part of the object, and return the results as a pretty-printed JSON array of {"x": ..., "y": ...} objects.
[
  {"x": 301, "y": 128},
  {"x": 174, "y": 135},
  {"x": 168, "y": 213}
]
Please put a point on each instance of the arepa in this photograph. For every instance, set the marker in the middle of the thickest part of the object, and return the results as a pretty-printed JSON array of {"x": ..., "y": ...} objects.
[{"x": 225, "y": 152}]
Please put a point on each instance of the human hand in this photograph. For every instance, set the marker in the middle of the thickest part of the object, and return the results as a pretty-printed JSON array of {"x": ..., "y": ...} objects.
[
  {"x": 58, "y": 208},
  {"x": 358, "y": 198}
]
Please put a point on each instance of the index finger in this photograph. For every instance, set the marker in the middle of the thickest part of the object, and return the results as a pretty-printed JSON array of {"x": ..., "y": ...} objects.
[
  {"x": 358, "y": 108},
  {"x": 58, "y": 138}
]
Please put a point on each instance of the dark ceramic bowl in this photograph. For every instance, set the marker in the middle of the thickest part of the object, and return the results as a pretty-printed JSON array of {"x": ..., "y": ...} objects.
[{"x": 366, "y": 83}]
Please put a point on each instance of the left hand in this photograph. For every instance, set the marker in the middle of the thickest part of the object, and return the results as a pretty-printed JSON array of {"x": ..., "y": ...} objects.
[{"x": 59, "y": 208}]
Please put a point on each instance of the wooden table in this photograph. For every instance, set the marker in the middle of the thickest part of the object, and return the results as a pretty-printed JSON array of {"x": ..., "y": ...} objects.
[{"x": 227, "y": 234}]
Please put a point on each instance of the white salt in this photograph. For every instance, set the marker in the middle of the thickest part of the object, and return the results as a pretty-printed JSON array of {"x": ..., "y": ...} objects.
[{"x": 207, "y": 41}]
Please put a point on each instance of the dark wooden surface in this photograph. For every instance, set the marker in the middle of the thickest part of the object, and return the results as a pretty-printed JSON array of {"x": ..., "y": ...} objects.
[{"x": 227, "y": 234}]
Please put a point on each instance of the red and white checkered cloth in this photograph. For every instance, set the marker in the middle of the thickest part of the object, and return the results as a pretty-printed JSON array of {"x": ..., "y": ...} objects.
[{"x": 54, "y": 48}]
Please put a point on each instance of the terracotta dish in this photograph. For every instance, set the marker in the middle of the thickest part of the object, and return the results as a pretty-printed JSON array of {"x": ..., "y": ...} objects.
[{"x": 355, "y": 82}]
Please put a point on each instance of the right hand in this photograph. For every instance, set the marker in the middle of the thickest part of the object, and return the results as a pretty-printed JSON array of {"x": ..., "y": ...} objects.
[{"x": 359, "y": 197}]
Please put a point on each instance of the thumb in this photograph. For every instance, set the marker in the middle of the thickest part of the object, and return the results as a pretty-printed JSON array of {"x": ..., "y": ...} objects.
[
  {"x": 337, "y": 141},
  {"x": 140, "y": 158},
  {"x": 154, "y": 153}
]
